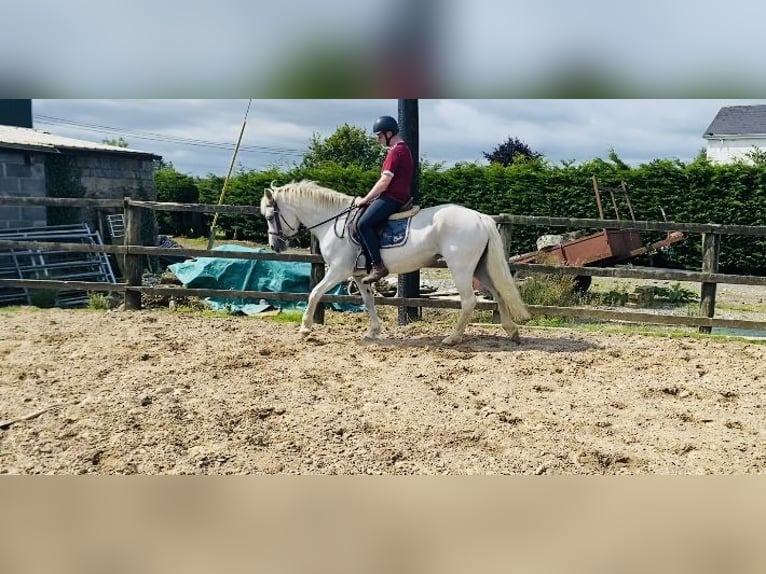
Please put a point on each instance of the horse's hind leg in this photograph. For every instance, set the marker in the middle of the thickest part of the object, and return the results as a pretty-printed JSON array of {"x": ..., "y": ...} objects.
[
  {"x": 373, "y": 330},
  {"x": 511, "y": 328},
  {"x": 464, "y": 284}
]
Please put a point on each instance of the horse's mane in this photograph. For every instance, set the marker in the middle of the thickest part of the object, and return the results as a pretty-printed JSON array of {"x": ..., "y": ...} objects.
[{"x": 314, "y": 192}]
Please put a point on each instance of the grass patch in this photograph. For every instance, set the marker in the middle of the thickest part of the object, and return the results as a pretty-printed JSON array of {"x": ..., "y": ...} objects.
[
  {"x": 99, "y": 301},
  {"x": 195, "y": 309},
  {"x": 14, "y": 308},
  {"x": 291, "y": 316},
  {"x": 742, "y": 307},
  {"x": 544, "y": 321},
  {"x": 662, "y": 331},
  {"x": 616, "y": 297},
  {"x": 675, "y": 294},
  {"x": 549, "y": 290}
]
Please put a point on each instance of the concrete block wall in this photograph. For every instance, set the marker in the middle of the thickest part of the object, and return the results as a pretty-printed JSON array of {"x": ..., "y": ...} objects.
[
  {"x": 22, "y": 174},
  {"x": 114, "y": 176},
  {"x": 102, "y": 176}
]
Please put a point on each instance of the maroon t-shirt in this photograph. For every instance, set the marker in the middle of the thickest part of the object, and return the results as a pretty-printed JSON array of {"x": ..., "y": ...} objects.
[{"x": 399, "y": 165}]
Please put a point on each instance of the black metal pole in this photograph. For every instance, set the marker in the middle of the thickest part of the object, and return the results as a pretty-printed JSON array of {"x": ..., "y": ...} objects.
[{"x": 409, "y": 283}]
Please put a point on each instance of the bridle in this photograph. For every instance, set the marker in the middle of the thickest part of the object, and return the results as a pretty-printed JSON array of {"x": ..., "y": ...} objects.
[{"x": 279, "y": 219}]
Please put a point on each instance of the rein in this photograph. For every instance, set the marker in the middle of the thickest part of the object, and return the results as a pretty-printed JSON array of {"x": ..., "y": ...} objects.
[{"x": 334, "y": 218}]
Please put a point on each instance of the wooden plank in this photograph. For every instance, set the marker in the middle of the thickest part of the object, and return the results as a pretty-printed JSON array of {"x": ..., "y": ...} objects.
[
  {"x": 751, "y": 230},
  {"x": 614, "y": 272},
  {"x": 352, "y": 299},
  {"x": 62, "y": 285},
  {"x": 196, "y": 207},
  {"x": 148, "y": 250},
  {"x": 122, "y": 202},
  {"x": 642, "y": 273},
  {"x": 63, "y": 201},
  {"x": 503, "y": 218},
  {"x": 535, "y": 310}
]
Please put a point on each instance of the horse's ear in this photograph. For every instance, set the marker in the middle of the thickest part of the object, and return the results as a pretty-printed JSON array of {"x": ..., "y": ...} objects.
[{"x": 267, "y": 193}]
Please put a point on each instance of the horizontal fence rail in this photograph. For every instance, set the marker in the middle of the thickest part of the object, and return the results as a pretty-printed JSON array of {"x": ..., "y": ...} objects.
[
  {"x": 146, "y": 250},
  {"x": 133, "y": 252},
  {"x": 581, "y": 223}
]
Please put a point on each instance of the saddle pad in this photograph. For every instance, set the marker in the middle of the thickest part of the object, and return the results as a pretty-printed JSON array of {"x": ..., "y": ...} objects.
[{"x": 394, "y": 233}]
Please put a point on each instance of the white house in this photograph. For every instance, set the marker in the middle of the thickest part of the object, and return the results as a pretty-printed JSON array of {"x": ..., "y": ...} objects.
[{"x": 734, "y": 132}]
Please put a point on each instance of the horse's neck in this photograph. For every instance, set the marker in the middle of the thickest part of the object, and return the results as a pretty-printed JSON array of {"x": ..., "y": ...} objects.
[{"x": 313, "y": 213}]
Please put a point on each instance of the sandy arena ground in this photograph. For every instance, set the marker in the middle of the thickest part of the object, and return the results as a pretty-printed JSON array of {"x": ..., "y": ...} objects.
[{"x": 162, "y": 392}]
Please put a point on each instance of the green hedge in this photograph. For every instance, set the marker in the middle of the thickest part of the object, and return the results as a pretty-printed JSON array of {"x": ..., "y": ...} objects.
[{"x": 698, "y": 192}]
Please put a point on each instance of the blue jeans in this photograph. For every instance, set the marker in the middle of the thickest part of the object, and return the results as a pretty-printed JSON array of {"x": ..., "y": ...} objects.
[{"x": 378, "y": 212}]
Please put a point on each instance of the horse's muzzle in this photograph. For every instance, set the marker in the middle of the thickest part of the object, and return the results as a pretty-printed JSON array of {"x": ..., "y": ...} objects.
[{"x": 277, "y": 244}]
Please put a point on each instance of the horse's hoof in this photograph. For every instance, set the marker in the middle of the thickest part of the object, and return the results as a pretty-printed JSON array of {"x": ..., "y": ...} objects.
[
  {"x": 372, "y": 334},
  {"x": 516, "y": 338},
  {"x": 304, "y": 331},
  {"x": 451, "y": 340}
]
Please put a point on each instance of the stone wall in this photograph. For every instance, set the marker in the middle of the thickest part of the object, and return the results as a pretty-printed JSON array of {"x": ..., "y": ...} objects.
[{"x": 21, "y": 174}]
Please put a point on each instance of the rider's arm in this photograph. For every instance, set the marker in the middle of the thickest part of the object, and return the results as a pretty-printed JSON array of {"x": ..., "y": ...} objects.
[{"x": 380, "y": 186}]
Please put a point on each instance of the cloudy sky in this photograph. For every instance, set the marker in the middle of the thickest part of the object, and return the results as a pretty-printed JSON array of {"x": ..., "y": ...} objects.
[
  {"x": 534, "y": 55},
  {"x": 198, "y": 136}
]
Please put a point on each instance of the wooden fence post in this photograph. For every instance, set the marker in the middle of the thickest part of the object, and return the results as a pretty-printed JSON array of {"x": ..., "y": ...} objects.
[
  {"x": 505, "y": 234},
  {"x": 317, "y": 274},
  {"x": 711, "y": 248},
  {"x": 133, "y": 263}
]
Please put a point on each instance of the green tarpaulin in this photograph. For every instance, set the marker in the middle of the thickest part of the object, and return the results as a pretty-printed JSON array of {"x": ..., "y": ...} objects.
[{"x": 251, "y": 275}]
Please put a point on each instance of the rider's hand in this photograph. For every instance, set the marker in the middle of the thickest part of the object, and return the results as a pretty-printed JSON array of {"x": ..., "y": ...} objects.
[{"x": 358, "y": 202}]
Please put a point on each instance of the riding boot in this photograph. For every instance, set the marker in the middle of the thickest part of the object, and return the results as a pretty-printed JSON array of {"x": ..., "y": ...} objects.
[{"x": 377, "y": 273}]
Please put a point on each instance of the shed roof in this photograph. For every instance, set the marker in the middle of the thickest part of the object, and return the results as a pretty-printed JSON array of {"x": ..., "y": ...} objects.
[
  {"x": 36, "y": 140},
  {"x": 739, "y": 121}
]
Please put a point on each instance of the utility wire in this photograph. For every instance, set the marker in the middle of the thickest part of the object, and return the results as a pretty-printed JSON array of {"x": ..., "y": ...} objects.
[{"x": 140, "y": 134}]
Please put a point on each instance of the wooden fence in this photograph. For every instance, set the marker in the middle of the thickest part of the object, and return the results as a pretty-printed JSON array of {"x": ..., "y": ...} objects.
[{"x": 134, "y": 256}]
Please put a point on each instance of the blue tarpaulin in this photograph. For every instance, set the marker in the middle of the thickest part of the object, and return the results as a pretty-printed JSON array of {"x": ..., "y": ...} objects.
[{"x": 251, "y": 275}]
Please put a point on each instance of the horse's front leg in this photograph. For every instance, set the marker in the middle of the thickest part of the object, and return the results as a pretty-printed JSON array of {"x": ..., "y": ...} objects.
[
  {"x": 331, "y": 279},
  {"x": 373, "y": 330}
]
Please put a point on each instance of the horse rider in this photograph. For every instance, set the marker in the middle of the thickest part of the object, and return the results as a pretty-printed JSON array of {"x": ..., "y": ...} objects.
[{"x": 388, "y": 195}]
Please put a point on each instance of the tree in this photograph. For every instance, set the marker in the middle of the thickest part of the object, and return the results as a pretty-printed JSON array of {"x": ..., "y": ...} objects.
[
  {"x": 757, "y": 156},
  {"x": 160, "y": 163},
  {"x": 120, "y": 142},
  {"x": 178, "y": 188},
  {"x": 616, "y": 160},
  {"x": 348, "y": 146},
  {"x": 507, "y": 153}
]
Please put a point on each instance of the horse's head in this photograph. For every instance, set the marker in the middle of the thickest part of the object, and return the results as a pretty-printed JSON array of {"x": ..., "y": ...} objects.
[{"x": 281, "y": 219}]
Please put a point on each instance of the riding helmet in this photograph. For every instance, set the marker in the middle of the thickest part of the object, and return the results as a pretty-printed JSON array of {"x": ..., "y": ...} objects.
[{"x": 385, "y": 124}]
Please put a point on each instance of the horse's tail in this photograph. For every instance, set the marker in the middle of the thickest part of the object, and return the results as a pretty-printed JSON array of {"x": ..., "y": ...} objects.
[{"x": 500, "y": 273}]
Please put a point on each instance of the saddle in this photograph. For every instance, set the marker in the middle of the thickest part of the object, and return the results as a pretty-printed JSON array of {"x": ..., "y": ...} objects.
[{"x": 407, "y": 209}]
